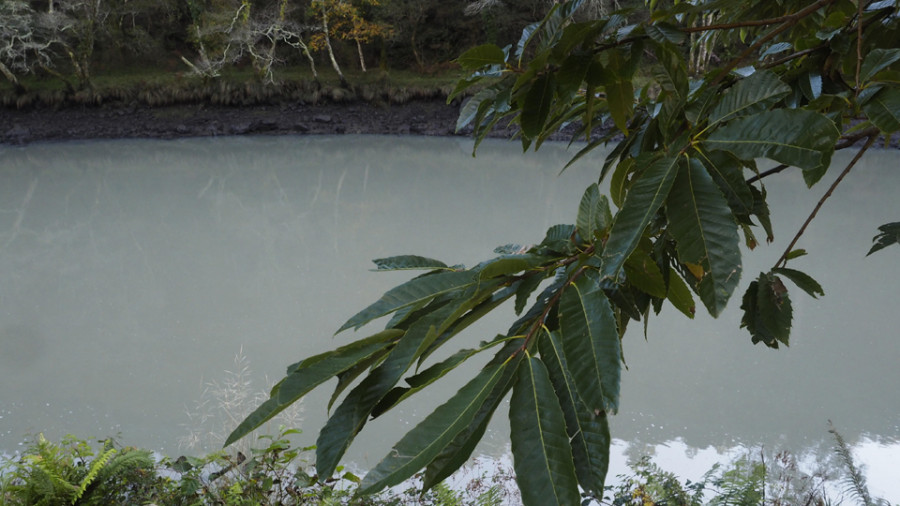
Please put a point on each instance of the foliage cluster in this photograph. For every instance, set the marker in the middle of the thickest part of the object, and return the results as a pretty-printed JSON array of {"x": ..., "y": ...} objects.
[
  {"x": 685, "y": 191},
  {"x": 70, "y": 40},
  {"x": 74, "y": 472}
]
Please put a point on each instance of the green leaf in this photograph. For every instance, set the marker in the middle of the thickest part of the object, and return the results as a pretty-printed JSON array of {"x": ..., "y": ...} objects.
[
  {"x": 593, "y": 214},
  {"x": 411, "y": 292},
  {"x": 890, "y": 234},
  {"x": 877, "y": 60},
  {"x": 728, "y": 174},
  {"x": 422, "y": 444},
  {"x": 801, "y": 138},
  {"x": 705, "y": 234},
  {"x": 509, "y": 264},
  {"x": 767, "y": 311},
  {"x": 407, "y": 262},
  {"x": 480, "y": 101},
  {"x": 351, "y": 415},
  {"x": 588, "y": 431},
  {"x": 884, "y": 110},
  {"x": 571, "y": 74},
  {"x": 591, "y": 341},
  {"x": 749, "y": 96},
  {"x": 542, "y": 456},
  {"x": 644, "y": 274},
  {"x": 665, "y": 32},
  {"x": 308, "y": 374},
  {"x": 536, "y": 106},
  {"x": 455, "y": 454},
  {"x": 647, "y": 195},
  {"x": 620, "y": 99},
  {"x": 672, "y": 73},
  {"x": 618, "y": 182},
  {"x": 481, "y": 56},
  {"x": 429, "y": 376},
  {"x": 680, "y": 296},
  {"x": 803, "y": 281}
]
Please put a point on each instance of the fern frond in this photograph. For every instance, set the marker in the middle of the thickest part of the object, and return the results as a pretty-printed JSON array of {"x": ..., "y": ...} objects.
[
  {"x": 855, "y": 480},
  {"x": 96, "y": 465},
  {"x": 127, "y": 460}
]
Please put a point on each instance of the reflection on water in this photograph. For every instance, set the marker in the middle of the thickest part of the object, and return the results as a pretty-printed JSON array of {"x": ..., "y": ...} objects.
[{"x": 132, "y": 272}]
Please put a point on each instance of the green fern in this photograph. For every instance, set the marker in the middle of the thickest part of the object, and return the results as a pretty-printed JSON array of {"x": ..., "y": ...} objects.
[
  {"x": 855, "y": 481},
  {"x": 96, "y": 466}
]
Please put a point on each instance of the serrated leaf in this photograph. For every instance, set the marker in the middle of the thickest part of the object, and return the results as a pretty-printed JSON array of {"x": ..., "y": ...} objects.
[
  {"x": 310, "y": 373},
  {"x": 422, "y": 444},
  {"x": 877, "y": 60},
  {"x": 588, "y": 431},
  {"x": 411, "y": 292},
  {"x": 728, "y": 174},
  {"x": 890, "y": 234},
  {"x": 571, "y": 74},
  {"x": 536, "y": 106},
  {"x": 590, "y": 338},
  {"x": 665, "y": 32},
  {"x": 481, "y": 56},
  {"x": 680, "y": 296},
  {"x": 594, "y": 215},
  {"x": 767, "y": 311},
  {"x": 646, "y": 196},
  {"x": 617, "y": 184},
  {"x": 407, "y": 262},
  {"x": 542, "y": 456},
  {"x": 525, "y": 289},
  {"x": 748, "y": 96},
  {"x": 644, "y": 274},
  {"x": 803, "y": 281},
  {"x": 672, "y": 74},
  {"x": 509, "y": 264},
  {"x": 351, "y": 415},
  {"x": 883, "y": 110},
  {"x": 705, "y": 234},
  {"x": 470, "y": 109},
  {"x": 800, "y": 138},
  {"x": 428, "y": 376},
  {"x": 455, "y": 454},
  {"x": 619, "y": 99}
]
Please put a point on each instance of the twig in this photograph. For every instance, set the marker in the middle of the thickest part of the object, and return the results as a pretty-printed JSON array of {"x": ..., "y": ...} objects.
[
  {"x": 790, "y": 21},
  {"x": 848, "y": 141},
  {"x": 783, "y": 260}
]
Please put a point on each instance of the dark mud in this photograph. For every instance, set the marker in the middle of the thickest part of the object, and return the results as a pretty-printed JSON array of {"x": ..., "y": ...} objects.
[{"x": 417, "y": 117}]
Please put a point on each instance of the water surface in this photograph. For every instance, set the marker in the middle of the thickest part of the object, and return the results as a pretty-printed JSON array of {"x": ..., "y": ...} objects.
[{"x": 132, "y": 273}]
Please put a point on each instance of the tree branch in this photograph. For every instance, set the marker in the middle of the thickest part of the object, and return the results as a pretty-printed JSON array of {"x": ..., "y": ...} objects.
[
  {"x": 790, "y": 20},
  {"x": 849, "y": 140},
  {"x": 783, "y": 260}
]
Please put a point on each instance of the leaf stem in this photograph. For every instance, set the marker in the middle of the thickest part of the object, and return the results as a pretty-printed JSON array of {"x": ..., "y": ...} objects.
[
  {"x": 539, "y": 321},
  {"x": 783, "y": 260}
]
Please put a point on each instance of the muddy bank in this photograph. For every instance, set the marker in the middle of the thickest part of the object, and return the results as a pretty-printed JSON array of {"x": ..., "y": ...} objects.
[{"x": 416, "y": 117}]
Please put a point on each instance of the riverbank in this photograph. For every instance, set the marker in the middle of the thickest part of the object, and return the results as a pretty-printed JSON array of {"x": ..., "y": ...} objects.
[
  {"x": 426, "y": 116},
  {"x": 429, "y": 117}
]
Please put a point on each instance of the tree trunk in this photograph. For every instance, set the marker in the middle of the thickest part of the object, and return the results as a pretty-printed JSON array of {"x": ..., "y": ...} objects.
[
  {"x": 362, "y": 61},
  {"x": 334, "y": 63},
  {"x": 416, "y": 55},
  {"x": 11, "y": 78}
]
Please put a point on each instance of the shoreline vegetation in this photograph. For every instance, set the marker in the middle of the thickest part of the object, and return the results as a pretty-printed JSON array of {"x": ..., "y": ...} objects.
[
  {"x": 154, "y": 104},
  {"x": 88, "y": 472},
  {"x": 166, "y": 106}
]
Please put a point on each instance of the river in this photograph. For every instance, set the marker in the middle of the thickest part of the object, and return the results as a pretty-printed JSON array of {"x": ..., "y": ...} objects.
[{"x": 141, "y": 280}]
